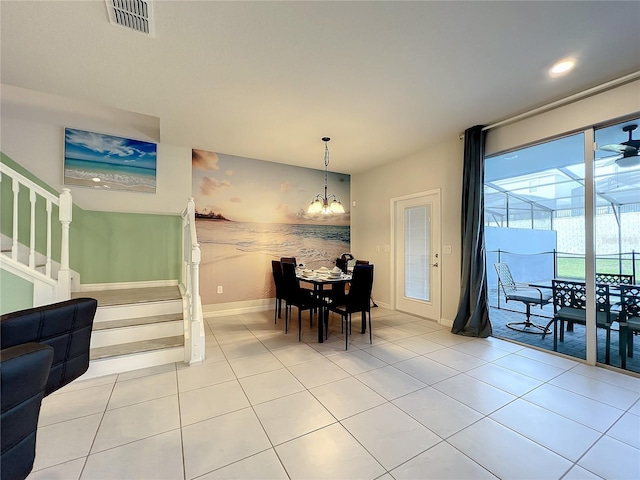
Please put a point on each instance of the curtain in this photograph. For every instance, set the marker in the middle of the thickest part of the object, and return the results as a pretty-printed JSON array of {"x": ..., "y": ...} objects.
[{"x": 472, "y": 318}]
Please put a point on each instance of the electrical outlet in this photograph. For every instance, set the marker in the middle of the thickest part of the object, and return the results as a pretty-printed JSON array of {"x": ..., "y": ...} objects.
[
  {"x": 446, "y": 249},
  {"x": 377, "y": 248},
  {"x": 219, "y": 288},
  {"x": 387, "y": 248}
]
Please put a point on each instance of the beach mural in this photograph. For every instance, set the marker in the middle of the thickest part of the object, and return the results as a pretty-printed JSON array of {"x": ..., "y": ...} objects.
[
  {"x": 107, "y": 162},
  {"x": 249, "y": 212}
]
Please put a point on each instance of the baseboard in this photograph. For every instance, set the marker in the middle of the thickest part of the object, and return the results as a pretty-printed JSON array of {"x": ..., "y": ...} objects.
[
  {"x": 446, "y": 322},
  {"x": 92, "y": 287},
  {"x": 234, "y": 308}
]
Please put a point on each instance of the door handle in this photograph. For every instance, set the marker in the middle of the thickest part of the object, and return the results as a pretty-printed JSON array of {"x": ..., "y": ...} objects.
[{"x": 435, "y": 264}]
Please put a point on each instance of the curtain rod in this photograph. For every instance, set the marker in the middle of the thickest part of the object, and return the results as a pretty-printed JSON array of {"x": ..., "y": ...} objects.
[{"x": 565, "y": 101}]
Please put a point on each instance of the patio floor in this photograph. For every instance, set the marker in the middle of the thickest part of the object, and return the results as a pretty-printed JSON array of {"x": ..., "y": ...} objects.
[{"x": 574, "y": 342}]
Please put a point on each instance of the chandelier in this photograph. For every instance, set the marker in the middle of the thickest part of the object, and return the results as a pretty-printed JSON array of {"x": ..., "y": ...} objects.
[{"x": 330, "y": 203}]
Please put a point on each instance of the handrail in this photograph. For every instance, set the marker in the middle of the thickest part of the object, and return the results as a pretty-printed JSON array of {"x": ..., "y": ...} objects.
[
  {"x": 64, "y": 204},
  {"x": 194, "y": 326}
]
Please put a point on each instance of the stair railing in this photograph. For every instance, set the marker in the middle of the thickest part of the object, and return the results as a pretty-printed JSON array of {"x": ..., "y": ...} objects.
[
  {"x": 194, "y": 327},
  {"x": 64, "y": 203}
]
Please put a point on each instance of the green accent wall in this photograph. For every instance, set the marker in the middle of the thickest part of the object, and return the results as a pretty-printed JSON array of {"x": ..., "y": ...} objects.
[
  {"x": 126, "y": 247},
  {"x": 105, "y": 247},
  {"x": 15, "y": 293}
]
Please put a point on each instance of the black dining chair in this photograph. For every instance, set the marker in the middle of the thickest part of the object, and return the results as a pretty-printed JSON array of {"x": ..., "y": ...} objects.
[
  {"x": 288, "y": 260},
  {"x": 298, "y": 297},
  {"x": 278, "y": 280},
  {"x": 357, "y": 300}
]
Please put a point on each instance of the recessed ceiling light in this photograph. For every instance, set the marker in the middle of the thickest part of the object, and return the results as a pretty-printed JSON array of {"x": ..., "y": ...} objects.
[
  {"x": 563, "y": 66},
  {"x": 96, "y": 179}
]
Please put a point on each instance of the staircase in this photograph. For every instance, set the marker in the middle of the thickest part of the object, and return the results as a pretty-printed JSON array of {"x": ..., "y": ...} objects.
[{"x": 135, "y": 328}]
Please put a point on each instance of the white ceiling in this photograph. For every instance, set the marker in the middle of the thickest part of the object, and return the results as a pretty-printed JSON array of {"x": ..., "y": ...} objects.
[{"x": 267, "y": 80}]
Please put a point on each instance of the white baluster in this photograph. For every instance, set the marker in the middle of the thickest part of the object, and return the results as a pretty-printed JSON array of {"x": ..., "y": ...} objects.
[
  {"x": 65, "y": 216},
  {"x": 15, "y": 186},
  {"x": 32, "y": 230},
  {"x": 48, "y": 264}
]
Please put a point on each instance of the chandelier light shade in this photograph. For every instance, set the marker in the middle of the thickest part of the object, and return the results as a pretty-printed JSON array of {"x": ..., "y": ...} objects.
[{"x": 327, "y": 203}]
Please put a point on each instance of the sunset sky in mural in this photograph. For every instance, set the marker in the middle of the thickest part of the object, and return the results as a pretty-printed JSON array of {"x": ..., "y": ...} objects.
[{"x": 248, "y": 190}]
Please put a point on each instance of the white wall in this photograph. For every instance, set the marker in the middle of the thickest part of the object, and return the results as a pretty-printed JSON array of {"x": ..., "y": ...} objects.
[
  {"x": 440, "y": 166},
  {"x": 32, "y": 133}
]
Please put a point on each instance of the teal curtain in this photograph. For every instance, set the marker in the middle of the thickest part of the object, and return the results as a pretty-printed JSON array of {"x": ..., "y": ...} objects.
[{"x": 472, "y": 318}]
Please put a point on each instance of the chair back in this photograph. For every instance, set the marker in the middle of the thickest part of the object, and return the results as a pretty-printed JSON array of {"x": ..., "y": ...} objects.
[
  {"x": 505, "y": 280},
  {"x": 288, "y": 260},
  {"x": 290, "y": 282},
  {"x": 341, "y": 264},
  {"x": 278, "y": 280},
  {"x": 614, "y": 279},
  {"x": 362, "y": 262},
  {"x": 66, "y": 326},
  {"x": 24, "y": 370},
  {"x": 360, "y": 288},
  {"x": 630, "y": 298},
  {"x": 574, "y": 295}
]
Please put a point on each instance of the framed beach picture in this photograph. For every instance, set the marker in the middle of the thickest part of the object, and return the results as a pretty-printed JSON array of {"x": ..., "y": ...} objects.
[{"x": 108, "y": 162}]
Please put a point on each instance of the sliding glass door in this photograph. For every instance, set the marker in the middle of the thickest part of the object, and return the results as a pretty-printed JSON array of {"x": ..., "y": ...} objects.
[
  {"x": 565, "y": 220},
  {"x": 535, "y": 231}
]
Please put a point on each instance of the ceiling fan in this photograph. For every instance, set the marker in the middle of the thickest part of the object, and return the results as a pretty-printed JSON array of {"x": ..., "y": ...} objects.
[{"x": 628, "y": 152}]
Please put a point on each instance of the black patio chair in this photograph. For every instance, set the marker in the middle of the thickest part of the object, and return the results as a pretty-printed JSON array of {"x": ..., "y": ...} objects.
[{"x": 570, "y": 305}]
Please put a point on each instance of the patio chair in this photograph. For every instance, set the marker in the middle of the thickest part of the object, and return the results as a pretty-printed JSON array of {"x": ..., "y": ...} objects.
[
  {"x": 570, "y": 305},
  {"x": 614, "y": 279},
  {"x": 629, "y": 319},
  {"x": 521, "y": 292}
]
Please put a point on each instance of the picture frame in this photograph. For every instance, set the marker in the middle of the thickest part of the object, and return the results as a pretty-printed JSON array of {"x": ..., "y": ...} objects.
[{"x": 108, "y": 162}]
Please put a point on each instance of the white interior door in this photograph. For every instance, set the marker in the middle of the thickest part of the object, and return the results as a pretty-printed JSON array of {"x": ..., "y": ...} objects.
[{"x": 417, "y": 258}]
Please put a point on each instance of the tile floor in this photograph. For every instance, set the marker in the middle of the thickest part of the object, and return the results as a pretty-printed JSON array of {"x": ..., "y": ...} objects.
[{"x": 420, "y": 403}]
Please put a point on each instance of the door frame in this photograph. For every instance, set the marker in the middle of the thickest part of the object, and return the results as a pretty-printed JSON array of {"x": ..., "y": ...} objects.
[{"x": 437, "y": 245}]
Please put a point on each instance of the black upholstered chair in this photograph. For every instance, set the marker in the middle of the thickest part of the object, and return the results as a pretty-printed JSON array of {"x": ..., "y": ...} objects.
[
  {"x": 24, "y": 370},
  {"x": 278, "y": 280},
  {"x": 66, "y": 326},
  {"x": 300, "y": 298},
  {"x": 357, "y": 300},
  {"x": 42, "y": 350},
  {"x": 288, "y": 260}
]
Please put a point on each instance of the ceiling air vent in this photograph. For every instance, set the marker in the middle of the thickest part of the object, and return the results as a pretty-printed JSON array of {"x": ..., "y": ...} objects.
[{"x": 133, "y": 14}]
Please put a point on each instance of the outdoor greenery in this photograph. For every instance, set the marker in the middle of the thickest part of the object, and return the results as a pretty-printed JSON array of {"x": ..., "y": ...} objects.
[{"x": 574, "y": 267}]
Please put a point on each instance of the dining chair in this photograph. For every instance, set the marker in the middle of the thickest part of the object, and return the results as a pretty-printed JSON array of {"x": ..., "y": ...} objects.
[
  {"x": 615, "y": 279},
  {"x": 629, "y": 319},
  {"x": 357, "y": 300},
  {"x": 570, "y": 305},
  {"x": 278, "y": 280},
  {"x": 301, "y": 298},
  {"x": 288, "y": 260},
  {"x": 521, "y": 292}
]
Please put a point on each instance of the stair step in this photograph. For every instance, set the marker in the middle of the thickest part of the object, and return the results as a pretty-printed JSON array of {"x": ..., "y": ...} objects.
[
  {"x": 136, "y": 347},
  {"x": 134, "y": 322},
  {"x": 128, "y": 296}
]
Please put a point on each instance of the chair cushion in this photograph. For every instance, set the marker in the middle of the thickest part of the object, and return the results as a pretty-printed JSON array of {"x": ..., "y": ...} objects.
[
  {"x": 530, "y": 296},
  {"x": 579, "y": 315}
]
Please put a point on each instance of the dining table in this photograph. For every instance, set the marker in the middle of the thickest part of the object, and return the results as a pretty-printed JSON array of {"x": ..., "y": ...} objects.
[{"x": 319, "y": 278}]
